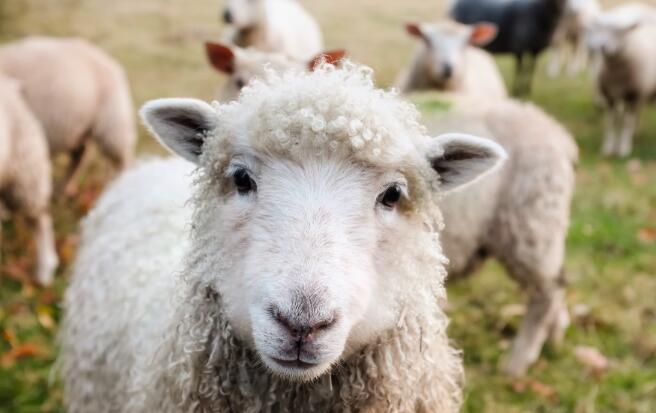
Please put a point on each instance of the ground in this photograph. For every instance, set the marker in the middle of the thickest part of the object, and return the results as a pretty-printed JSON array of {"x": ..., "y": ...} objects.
[{"x": 611, "y": 255}]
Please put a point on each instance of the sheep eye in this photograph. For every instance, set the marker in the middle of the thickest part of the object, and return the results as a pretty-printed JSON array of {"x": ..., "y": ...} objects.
[
  {"x": 240, "y": 83},
  {"x": 243, "y": 181},
  {"x": 391, "y": 196}
]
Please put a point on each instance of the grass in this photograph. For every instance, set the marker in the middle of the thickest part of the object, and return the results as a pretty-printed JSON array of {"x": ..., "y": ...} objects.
[{"x": 611, "y": 256}]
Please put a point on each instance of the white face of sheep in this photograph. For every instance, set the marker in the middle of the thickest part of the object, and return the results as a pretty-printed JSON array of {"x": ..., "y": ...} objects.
[
  {"x": 308, "y": 281},
  {"x": 243, "y": 14},
  {"x": 445, "y": 45},
  {"x": 607, "y": 33}
]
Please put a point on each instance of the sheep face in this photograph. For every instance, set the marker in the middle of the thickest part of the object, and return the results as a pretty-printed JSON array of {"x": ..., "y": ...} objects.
[
  {"x": 606, "y": 34},
  {"x": 445, "y": 45},
  {"x": 304, "y": 206},
  {"x": 243, "y": 14}
]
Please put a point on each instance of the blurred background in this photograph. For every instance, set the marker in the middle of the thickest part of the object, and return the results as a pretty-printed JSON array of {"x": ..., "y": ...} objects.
[{"x": 608, "y": 360}]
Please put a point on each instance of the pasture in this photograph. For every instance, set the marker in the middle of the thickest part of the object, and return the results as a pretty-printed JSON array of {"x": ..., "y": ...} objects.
[{"x": 611, "y": 256}]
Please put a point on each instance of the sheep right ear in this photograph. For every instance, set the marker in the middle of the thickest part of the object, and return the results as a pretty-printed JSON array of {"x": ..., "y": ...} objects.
[
  {"x": 461, "y": 159},
  {"x": 221, "y": 57},
  {"x": 415, "y": 30},
  {"x": 482, "y": 34},
  {"x": 180, "y": 125}
]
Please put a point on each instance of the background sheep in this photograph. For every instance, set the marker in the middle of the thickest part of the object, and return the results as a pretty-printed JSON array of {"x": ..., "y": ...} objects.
[
  {"x": 79, "y": 94},
  {"x": 525, "y": 30},
  {"x": 568, "y": 42},
  {"x": 280, "y": 26},
  {"x": 624, "y": 39},
  {"x": 243, "y": 65},
  {"x": 293, "y": 266},
  {"x": 518, "y": 214},
  {"x": 446, "y": 61},
  {"x": 25, "y": 185}
]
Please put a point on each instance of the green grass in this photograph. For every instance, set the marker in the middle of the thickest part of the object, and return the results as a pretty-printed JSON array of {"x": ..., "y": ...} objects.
[{"x": 611, "y": 255}]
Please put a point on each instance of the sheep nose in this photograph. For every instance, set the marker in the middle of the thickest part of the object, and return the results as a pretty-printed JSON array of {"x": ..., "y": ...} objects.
[
  {"x": 447, "y": 70},
  {"x": 303, "y": 332},
  {"x": 227, "y": 16}
]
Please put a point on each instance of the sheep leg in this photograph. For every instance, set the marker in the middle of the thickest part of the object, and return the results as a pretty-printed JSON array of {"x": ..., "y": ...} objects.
[
  {"x": 579, "y": 57},
  {"x": 77, "y": 160},
  {"x": 545, "y": 306},
  {"x": 47, "y": 259},
  {"x": 611, "y": 117},
  {"x": 556, "y": 61},
  {"x": 519, "y": 71},
  {"x": 629, "y": 123}
]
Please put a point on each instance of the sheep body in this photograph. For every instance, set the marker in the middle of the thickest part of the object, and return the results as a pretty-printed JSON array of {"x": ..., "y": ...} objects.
[
  {"x": 281, "y": 26},
  {"x": 626, "y": 80},
  {"x": 197, "y": 350},
  {"x": 519, "y": 214},
  {"x": 25, "y": 173},
  {"x": 525, "y": 30},
  {"x": 471, "y": 70},
  {"x": 97, "y": 107}
]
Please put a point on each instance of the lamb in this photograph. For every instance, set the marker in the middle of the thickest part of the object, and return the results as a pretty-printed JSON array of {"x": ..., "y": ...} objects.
[
  {"x": 291, "y": 292},
  {"x": 280, "y": 26},
  {"x": 25, "y": 174},
  {"x": 243, "y": 65},
  {"x": 79, "y": 94},
  {"x": 525, "y": 30},
  {"x": 623, "y": 37},
  {"x": 568, "y": 42},
  {"x": 447, "y": 61},
  {"x": 518, "y": 214}
]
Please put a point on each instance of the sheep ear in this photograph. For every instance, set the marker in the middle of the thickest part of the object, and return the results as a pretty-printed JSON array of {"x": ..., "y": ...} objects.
[
  {"x": 461, "y": 159},
  {"x": 221, "y": 57},
  {"x": 414, "y": 29},
  {"x": 482, "y": 34},
  {"x": 332, "y": 57},
  {"x": 180, "y": 125}
]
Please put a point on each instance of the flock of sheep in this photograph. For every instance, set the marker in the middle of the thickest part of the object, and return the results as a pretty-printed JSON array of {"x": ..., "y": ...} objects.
[{"x": 293, "y": 257}]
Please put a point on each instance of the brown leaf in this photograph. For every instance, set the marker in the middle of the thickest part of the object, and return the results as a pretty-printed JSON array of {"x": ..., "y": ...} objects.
[
  {"x": 24, "y": 350},
  {"x": 647, "y": 235},
  {"x": 537, "y": 387}
]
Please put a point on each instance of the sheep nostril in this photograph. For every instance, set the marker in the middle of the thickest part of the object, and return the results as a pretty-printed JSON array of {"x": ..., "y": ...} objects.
[
  {"x": 227, "y": 16},
  {"x": 447, "y": 70}
]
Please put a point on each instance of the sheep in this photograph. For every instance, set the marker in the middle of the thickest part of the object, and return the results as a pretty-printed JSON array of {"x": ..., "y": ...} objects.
[
  {"x": 79, "y": 94},
  {"x": 291, "y": 292},
  {"x": 25, "y": 185},
  {"x": 568, "y": 41},
  {"x": 518, "y": 214},
  {"x": 525, "y": 30},
  {"x": 623, "y": 37},
  {"x": 280, "y": 26},
  {"x": 446, "y": 61},
  {"x": 243, "y": 65}
]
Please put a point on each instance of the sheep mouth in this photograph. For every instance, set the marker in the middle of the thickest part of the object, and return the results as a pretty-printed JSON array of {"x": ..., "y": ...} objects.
[{"x": 296, "y": 364}]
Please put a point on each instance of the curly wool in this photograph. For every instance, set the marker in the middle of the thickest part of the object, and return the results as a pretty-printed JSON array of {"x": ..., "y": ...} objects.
[{"x": 190, "y": 359}]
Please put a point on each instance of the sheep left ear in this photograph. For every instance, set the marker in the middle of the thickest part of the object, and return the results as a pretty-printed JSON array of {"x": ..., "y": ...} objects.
[
  {"x": 180, "y": 125},
  {"x": 482, "y": 34},
  {"x": 461, "y": 159},
  {"x": 332, "y": 57}
]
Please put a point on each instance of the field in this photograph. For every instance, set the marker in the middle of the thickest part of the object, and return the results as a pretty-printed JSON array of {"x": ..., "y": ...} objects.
[{"x": 611, "y": 260}]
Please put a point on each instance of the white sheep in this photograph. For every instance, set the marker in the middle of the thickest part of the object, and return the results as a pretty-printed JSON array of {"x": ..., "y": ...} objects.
[
  {"x": 25, "y": 185},
  {"x": 79, "y": 94},
  {"x": 447, "y": 60},
  {"x": 568, "y": 42},
  {"x": 624, "y": 39},
  {"x": 243, "y": 65},
  {"x": 518, "y": 214},
  {"x": 280, "y": 26},
  {"x": 312, "y": 276}
]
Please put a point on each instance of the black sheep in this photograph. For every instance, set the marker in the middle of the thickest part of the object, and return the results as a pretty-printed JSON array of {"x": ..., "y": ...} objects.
[{"x": 525, "y": 30}]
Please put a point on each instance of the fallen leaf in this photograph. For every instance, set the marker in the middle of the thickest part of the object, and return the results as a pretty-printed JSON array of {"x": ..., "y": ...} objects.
[
  {"x": 24, "y": 350},
  {"x": 537, "y": 387},
  {"x": 647, "y": 235},
  {"x": 591, "y": 358},
  {"x": 512, "y": 311},
  {"x": 44, "y": 315}
]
